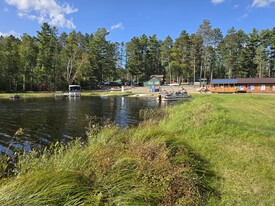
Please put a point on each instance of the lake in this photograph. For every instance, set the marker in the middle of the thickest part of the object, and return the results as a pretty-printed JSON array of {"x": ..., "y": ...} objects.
[{"x": 48, "y": 119}]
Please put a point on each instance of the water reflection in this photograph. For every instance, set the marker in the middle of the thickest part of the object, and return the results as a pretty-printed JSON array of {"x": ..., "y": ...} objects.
[
  {"x": 121, "y": 116},
  {"x": 49, "y": 119}
]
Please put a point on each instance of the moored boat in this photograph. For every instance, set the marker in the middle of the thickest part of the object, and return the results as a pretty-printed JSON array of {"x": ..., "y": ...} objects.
[
  {"x": 74, "y": 90},
  {"x": 173, "y": 95}
]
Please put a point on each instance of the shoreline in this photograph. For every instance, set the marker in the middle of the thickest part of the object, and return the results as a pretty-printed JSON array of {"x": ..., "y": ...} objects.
[{"x": 129, "y": 91}]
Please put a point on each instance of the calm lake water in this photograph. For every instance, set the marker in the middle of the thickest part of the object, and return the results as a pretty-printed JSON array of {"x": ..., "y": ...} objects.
[{"x": 49, "y": 119}]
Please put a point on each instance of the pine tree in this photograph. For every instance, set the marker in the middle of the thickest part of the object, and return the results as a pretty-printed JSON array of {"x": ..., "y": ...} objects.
[{"x": 166, "y": 48}]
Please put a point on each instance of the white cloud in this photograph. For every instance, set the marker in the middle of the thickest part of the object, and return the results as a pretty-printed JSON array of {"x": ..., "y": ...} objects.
[
  {"x": 243, "y": 17},
  {"x": 117, "y": 26},
  {"x": 5, "y": 34},
  {"x": 45, "y": 11},
  {"x": 217, "y": 1},
  {"x": 262, "y": 3}
]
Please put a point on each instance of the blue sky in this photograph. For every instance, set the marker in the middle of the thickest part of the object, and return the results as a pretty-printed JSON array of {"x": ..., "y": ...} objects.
[{"x": 128, "y": 18}]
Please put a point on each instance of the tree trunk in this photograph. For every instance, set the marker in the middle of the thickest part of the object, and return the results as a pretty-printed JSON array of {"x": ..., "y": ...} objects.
[
  {"x": 194, "y": 71},
  {"x": 200, "y": 74},
  {"x": 24, "y": 82}
]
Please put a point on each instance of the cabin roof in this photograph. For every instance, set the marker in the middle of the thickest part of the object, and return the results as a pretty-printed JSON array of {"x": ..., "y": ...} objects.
[
  {"x": 153, "y": 79},
  {"x": 223, "y": 81},
  {"x": 244, "y": 81},
  {"x": 157, "y": 75},
  {"x": 256, "y": 80}
]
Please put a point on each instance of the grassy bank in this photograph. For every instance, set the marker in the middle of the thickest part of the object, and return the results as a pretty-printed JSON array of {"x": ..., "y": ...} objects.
[
  {"x": 213, "y": 150},
  {"x": 27, "y": 95},
  {"x": 235, "y": 135}
]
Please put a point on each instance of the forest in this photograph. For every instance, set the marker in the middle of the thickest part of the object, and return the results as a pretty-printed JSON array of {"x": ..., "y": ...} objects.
[{"x": 51, "y": 61}]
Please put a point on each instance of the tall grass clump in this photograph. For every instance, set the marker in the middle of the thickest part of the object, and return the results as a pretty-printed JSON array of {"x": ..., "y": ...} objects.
[
  {"x": 136, "y": 166},
  {"x": 50, "y": 187}
]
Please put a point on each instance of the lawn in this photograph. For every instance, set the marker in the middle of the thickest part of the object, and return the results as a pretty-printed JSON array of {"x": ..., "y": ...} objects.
[{"x": 237, "y": 140}]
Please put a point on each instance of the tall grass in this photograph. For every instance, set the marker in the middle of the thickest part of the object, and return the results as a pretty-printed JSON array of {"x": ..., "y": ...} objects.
[
  {"x": 213, "y": 150},
  {"x": 135, "y": 166}
]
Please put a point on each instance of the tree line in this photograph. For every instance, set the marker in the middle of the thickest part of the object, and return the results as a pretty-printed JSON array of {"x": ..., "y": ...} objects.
[{"x": 50, "y": 62}]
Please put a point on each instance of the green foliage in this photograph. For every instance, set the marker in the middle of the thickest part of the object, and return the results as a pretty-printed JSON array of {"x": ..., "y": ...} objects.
[
  {"x": 10, "y": 63},
  {"x": 103, "y": 57},
  {"x": 152, "y": 115},
  {"x": 180, "y": 54},
  {"x": 143, "y": 57},
  {"x": 28, "y": 55},
  {"x": 44, "y": 72},
  {"x": 134, "y": 57},
  {"x": 8, "y": 162}
]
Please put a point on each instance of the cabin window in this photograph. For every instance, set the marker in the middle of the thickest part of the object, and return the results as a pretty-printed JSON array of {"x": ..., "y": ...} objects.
[
  {"x": 263, "y": 87},
  {"x": 270, "y": 87},
  {"x": 241, "y": 88},
  {"x": 251, "y": 87}
]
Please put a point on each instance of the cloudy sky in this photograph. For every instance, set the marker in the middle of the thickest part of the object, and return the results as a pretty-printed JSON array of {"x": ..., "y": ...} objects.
[{"x": 128, "y": 18}]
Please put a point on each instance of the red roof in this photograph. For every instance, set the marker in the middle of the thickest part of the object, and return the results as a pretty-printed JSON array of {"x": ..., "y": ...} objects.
[{"x": 157, "y": 75}]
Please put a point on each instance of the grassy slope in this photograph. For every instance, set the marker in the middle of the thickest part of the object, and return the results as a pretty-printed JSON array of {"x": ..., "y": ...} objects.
[
  {"x": 238, "y": 143},
  {"x": 223, "y": 142}
]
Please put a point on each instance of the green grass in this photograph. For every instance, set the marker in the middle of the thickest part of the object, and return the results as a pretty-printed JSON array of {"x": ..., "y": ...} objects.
[
  {"x": 212, "y": 150},
  {"x": 27, "y": 95},
  {"x": 235, "y": 135}
]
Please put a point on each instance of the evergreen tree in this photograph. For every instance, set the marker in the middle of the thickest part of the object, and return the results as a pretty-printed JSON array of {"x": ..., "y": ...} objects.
[
  {"x": 134, "y": 58},
  {"x": 180, "y": 54},
  {"x": 261, "y": 58},
  {"x": 102, "y": 57},
  {"x": 28, "y": 55},
  {"x": 46, "y": 59},
  {"x": 196, "y": 43},
  {"x": 165, "y": 49},
  {"x": 153, "y": 57},
  {"x": 250, "y": 67},
  {"x": 231, "y": 48},
  {"x": 10, "y": 63}
]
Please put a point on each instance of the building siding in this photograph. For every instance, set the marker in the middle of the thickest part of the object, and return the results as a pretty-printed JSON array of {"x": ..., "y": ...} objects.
[{"x": 253, "y": 85}]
